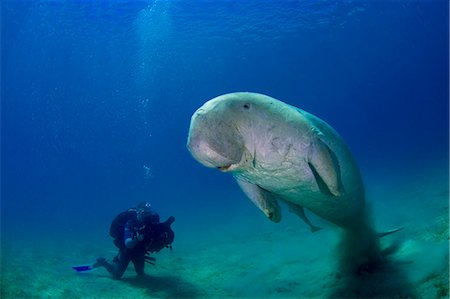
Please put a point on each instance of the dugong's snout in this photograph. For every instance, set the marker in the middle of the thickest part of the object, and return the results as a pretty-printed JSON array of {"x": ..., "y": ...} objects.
[
  {"x": 213, "y": 141},
  {"x": 205, "y": 153}
]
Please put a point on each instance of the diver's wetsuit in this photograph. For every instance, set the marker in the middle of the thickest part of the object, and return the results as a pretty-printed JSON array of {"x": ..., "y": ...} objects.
[
  {"x": 135, "y": 254},
  {"x": 157, "y": 236}
]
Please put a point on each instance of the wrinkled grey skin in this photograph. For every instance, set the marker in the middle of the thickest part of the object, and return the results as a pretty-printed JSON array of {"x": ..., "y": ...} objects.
[{"x": 277, "y": 152}]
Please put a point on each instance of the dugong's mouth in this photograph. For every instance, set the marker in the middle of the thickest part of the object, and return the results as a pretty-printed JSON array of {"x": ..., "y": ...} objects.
[
  {"x": 245, "y": 161},
  {"x": 224, "y": 168}
]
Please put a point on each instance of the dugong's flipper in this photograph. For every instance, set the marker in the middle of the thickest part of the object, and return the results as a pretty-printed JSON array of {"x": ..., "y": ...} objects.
[
  {"x": 263, "y": 199},
  {"x": 300, "y": 212},
  {"x": 324, "y": 165}
]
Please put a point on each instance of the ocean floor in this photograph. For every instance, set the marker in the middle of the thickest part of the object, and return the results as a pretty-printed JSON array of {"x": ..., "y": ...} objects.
[{"x": 238, "y": 253}]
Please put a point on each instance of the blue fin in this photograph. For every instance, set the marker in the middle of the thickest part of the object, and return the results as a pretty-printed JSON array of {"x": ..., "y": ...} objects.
[{"x": 83, "y": 268}]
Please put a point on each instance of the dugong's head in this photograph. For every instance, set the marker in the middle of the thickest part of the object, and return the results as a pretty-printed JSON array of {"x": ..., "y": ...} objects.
[
  {"x": 218, "y": 133},
  {"x": 219, "y": 127}
]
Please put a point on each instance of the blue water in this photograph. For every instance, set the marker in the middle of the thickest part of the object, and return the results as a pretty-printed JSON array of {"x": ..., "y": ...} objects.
[{"x": 97, "y": 96}]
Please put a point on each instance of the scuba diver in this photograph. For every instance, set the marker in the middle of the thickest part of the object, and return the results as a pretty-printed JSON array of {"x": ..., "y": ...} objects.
[{"x": 137, "y": 232}]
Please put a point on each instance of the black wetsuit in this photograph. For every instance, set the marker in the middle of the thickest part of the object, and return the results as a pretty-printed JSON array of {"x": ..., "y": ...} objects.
[
  {"x": 127, "y": 255},
  {"x": 137, "y": 254}
]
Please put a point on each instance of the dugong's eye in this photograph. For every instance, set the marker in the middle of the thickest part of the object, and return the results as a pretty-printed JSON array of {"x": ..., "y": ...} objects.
[{"x": 247, "y": 106}]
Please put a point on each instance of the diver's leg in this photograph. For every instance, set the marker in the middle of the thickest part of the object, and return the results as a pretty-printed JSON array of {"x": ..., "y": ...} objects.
[
  {"x": 139, "y": 263},
  {"x": 119, "y": 265},
  {"x": 101, "y": 262},
  {"x": 123, "y": 259}
]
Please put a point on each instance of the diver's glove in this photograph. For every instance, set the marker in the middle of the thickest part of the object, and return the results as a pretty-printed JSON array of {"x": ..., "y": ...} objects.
[
  {"x": 149, "y": 259},
  {"x": 131, "y": 242},
  {"x": 139, "y": 236}
]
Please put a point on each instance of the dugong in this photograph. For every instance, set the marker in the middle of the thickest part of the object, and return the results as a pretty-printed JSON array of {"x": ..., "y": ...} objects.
[{"x": 280, "y": 153}]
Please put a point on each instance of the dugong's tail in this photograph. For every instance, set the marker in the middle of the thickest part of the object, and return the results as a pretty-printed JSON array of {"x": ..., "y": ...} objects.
[{"x": 359, "y": 248}]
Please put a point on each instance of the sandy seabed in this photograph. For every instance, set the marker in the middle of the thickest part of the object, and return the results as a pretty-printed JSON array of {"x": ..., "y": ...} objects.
[{"x": 246, "y": 256}]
